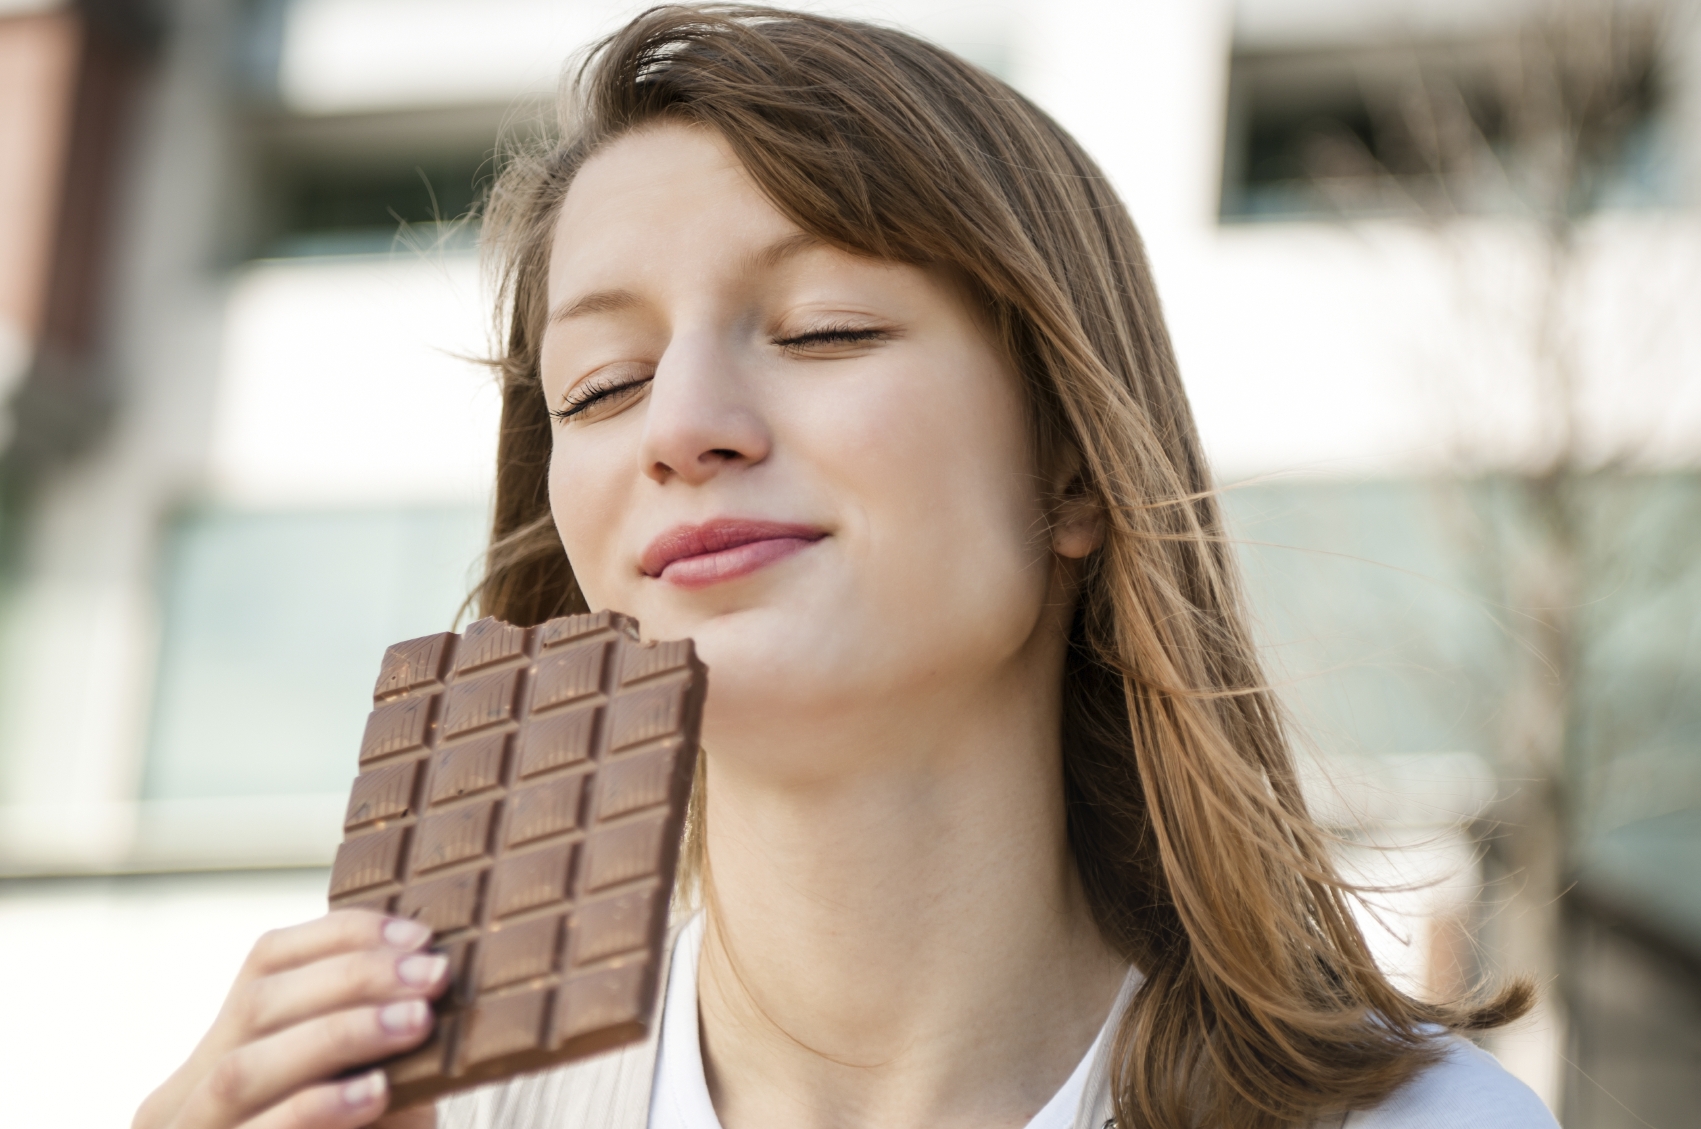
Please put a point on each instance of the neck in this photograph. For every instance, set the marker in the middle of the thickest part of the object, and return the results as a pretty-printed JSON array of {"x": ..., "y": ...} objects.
[{"x": 905, "y": 944}]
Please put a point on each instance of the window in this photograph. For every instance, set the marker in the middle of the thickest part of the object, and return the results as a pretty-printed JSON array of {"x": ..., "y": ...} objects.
[
  {"x": 273, "y": 626},
  {"x": 362, "y": 183},
  {"x": 1446, "y": 127}
]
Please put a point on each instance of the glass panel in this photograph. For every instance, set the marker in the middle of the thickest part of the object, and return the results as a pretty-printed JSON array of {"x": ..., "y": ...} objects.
[
  {"x": 273, "y": 627},
  {"x": 1371, "y": 614},
  {"x": 1389, "y": 616}
]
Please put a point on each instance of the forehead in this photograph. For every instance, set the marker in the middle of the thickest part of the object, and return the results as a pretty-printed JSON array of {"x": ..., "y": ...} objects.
[{"x": 655, "y": 198}]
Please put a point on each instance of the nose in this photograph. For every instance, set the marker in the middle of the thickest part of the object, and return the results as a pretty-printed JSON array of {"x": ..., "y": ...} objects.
[{"x": 701, "y": 419}]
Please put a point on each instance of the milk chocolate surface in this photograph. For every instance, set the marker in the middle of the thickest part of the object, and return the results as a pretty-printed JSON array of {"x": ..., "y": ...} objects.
[{"x": 522, "y": 791}]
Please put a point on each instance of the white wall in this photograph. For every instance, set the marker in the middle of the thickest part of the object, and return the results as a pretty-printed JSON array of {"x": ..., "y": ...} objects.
[
  {"x": 113, "y": 981},
  {"x": 380, "y": 401}
]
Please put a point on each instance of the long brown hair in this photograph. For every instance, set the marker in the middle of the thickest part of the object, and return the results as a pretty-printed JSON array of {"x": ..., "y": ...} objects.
[{"x": 1261, "y": 1004}]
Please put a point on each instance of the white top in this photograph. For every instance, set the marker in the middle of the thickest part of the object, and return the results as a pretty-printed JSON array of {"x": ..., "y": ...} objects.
[
  {"x": 1468, "y": 1089},
  {"x": 680, "y": 1099},
  {"x": 659, "y": 1083}
]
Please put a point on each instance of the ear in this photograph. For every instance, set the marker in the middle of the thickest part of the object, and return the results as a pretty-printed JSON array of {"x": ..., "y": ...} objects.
[{"x": 1077, "y": 521}]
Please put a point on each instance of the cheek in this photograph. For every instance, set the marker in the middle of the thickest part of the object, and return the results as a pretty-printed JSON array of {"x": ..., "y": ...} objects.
[
  {"x": 589, "y": 500},
  {"x": 934, "y": 463}
]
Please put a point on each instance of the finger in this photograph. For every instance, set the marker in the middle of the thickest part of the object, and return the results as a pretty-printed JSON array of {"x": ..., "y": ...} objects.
[
  {"x": 258, "y": 1074},
  {"x": 333, "y": 1105},
  {"x": 340, "y": 931},
  {"x": 371, "y": 976}
]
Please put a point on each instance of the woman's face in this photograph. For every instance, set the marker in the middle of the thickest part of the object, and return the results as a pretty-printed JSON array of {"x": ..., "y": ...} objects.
[{"x": 815, "y": 464}]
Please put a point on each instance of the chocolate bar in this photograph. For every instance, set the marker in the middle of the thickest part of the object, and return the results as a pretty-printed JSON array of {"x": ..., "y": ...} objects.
[{"x": 522, "y": 790}]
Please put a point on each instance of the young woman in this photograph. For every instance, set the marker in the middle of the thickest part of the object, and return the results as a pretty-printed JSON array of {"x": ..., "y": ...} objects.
[{"x": 833, "y": 353}]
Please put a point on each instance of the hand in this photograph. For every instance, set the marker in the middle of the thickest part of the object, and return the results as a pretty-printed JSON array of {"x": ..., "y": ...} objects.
[{"x": 311, "y": 1002}]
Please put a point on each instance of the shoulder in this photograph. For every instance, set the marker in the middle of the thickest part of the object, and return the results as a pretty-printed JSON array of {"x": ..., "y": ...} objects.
[{"x": 1466, "y": 1089}]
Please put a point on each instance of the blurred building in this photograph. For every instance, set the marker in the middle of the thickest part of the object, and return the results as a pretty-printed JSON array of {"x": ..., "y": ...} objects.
[{"x": 247, "y": 444}]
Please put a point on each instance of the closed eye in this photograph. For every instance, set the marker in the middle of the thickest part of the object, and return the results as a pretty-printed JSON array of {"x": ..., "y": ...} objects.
[
  {"x": 830, "y": 339},
  {"x": 599, "y": 394}
]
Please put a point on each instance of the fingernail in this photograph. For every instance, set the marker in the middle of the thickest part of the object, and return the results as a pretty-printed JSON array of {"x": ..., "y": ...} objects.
[
  {"x": 405, "y": 934},
  {"x": 403, "y": 1017},
  {"x": 365, "y": 1090},
  {"x": 421, "y": 970}
]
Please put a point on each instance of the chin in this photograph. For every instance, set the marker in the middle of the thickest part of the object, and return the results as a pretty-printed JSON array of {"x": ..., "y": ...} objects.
[
  {"x": 768, "y": 671},
  {"x": 761, "y": 652}
]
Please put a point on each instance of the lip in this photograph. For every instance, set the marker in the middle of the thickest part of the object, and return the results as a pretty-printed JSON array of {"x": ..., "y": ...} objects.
[{"x": 696, "y": 556}]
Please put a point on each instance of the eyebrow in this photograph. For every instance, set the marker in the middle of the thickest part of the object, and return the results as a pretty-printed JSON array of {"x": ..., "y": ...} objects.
[
  {"x": 780, "y": 250},
  {"x": 614, "y": 301},
  {"x": 596, "y": 302}
]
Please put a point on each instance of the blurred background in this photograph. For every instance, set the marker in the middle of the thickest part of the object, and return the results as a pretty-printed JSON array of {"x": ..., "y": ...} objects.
[{"x": 1426, "y": 263}]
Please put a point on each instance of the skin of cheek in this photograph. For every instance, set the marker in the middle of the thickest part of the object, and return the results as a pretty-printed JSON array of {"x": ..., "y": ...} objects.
[{"x": 930, "y": 455}]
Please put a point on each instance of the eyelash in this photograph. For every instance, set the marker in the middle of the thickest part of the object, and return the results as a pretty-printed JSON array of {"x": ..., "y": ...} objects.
[
  {"x": 595, "y": 391},
  {"x": 830, "y": 335},
  {"x": 592, "y": 392}
]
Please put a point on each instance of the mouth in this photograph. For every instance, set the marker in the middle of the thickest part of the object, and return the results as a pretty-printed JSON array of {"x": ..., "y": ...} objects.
[{"x": 696, "y": 556}]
